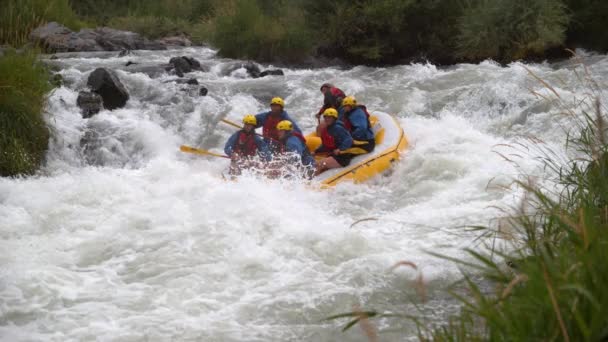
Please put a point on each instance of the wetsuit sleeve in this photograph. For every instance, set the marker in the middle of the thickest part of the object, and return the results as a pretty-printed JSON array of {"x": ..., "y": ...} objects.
[
  {"x": 263, "y": 149},
  {"x": 294, "y": 146},
  {"x": 229, "y": 147},
  {"x": 343, "y": 138},
  {"x": 260, "y": 119},
  {"x": 295, "y": 125}
]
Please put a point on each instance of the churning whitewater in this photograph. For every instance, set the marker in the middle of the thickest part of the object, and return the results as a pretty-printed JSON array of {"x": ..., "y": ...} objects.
[{"x": 121, "y": 237}]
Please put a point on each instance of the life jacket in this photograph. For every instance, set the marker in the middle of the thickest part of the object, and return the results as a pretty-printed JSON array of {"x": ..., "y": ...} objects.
[
  {"x": 328, "y": 140},
  {"x": 245, "y": 144},
  {"x": 269, "y": 130},
  {"x": 336, "y": 92},
  {"x": 348, "y": 125}
]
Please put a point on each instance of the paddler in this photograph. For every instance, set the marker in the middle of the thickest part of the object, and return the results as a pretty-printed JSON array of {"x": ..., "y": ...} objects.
[
  {"x": 332, "y": 98},
  {"x": 269, "y": 121},
  {"x": 335, "y": 141},
  {"x": 244, "y": 146},
  {"x": 292, "y": 151},
  {"x": 356, "y": 120}
]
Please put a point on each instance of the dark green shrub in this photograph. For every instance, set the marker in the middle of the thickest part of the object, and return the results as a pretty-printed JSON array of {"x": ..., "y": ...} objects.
[
  {"x": 23, "y": 133},
  {"x": 19, "y": 17},
  {"x": 510, "y": 30},
  {"x": 240, "y": 29}
]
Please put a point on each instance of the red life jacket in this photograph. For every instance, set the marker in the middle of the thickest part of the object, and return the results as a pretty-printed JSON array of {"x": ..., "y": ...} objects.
[
  {"x": 328, "y": 140},
  {"x": 337, "y": 92},
  {"x": 269, "y": 130},
  {"x": 245, "y": 144},
  {"x": 348, "y": 125}
]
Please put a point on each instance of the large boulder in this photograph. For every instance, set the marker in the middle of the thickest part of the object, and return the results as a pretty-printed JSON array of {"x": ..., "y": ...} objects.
[
  {"x": 184, "y": 64},
  {"x": 117, "y": 40},
  {"x": 105, "y": 83},
  {"x": 90, "y": 103},
  {"x": 58, "y": 38}
]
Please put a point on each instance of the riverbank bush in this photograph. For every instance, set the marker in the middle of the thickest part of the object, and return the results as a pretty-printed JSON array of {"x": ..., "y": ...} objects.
[
  {"x": 510, "y": 30},
  {"x": 23, "y": 132},
  {"x": 246, "y": 29},
  {"x": 19, "y": 17}
]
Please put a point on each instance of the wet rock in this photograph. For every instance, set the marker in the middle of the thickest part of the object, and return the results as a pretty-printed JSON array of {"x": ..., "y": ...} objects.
[
  {"x": 184, "y": 64},
  {"x": 175, "y": 41},
  {"x": 124, "y": 52},
  {"x": 130, "y": 63},
  {"x": 276, "y": 72},
  {"x": 253, "y": 69},
  {"x": 203, "y": 91},
  {"x": 90, "y": 103},
  {"x": 105, "y": 83}
]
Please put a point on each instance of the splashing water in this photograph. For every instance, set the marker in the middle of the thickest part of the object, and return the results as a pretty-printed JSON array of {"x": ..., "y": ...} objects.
[{"x": 123, "y": 238}]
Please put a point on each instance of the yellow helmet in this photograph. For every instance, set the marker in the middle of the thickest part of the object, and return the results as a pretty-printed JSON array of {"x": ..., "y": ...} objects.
[
  {"x": 250, "y": 119},
  {"x": 331, "y": 112},
  {"x": 277, "y": 100},
  {"x": 285, "y": 125},
  {"x": 349, "y": 101}
]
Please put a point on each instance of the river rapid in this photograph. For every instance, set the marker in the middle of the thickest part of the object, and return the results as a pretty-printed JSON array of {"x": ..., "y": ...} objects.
[{"x": 126, "y": 238}]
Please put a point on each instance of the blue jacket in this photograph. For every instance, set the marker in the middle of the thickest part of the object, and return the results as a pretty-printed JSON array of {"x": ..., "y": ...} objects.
[
  {"x": 261, "y": 119},
  {"x": 341, "y": 136},
  {"x": 263, "y": 150},
  {"x": 295, "y": 145},
  {"x": 360, "y": 125}
]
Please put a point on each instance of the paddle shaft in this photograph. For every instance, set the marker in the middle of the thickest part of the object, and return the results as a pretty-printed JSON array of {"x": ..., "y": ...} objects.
[{"x": 200, "y": 151}]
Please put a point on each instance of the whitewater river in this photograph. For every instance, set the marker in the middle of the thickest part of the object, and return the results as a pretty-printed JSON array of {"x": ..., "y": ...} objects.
[{"x": 125, "y": 238}]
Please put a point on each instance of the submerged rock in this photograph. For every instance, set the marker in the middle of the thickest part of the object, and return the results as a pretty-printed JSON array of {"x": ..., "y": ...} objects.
[
  {"x": 105, "y": 83},
  {"x": 276, "y": 72},
  {"x": 90, "y": 103}
]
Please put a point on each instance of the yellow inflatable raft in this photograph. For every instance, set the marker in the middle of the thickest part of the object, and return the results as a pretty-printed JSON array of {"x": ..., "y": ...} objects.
[{"x": 390, "y": 143}]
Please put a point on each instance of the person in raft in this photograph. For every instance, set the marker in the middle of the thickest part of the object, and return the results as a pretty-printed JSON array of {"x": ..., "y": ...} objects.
[
  {"x": 269, "y": 121},
  {"x": 332, "y": 98},
  {"x": 293, "y": 151},
  {"x": 356, "y": 120},
  {"x": 243, "y": 147},
  {"x": 336, "y": 141}
]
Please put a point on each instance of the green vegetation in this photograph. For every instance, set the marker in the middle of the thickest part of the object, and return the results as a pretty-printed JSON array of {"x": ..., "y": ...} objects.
[
  {"x": 508, "y": 30},
  {"x": 19, "y": 17},
  {"x": 358, "y": 31},
  {"x": 23, "y": 133},
  {"x": 555, "y": 287},
  {"x": 245, "y": 29}
]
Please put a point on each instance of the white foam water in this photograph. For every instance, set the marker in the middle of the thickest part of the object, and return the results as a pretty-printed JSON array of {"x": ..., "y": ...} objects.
[{"x": 121, "y": 237}]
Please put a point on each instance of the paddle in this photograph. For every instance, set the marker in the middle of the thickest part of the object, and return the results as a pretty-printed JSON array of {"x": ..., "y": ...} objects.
[{"x": 194, "y": 150}]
